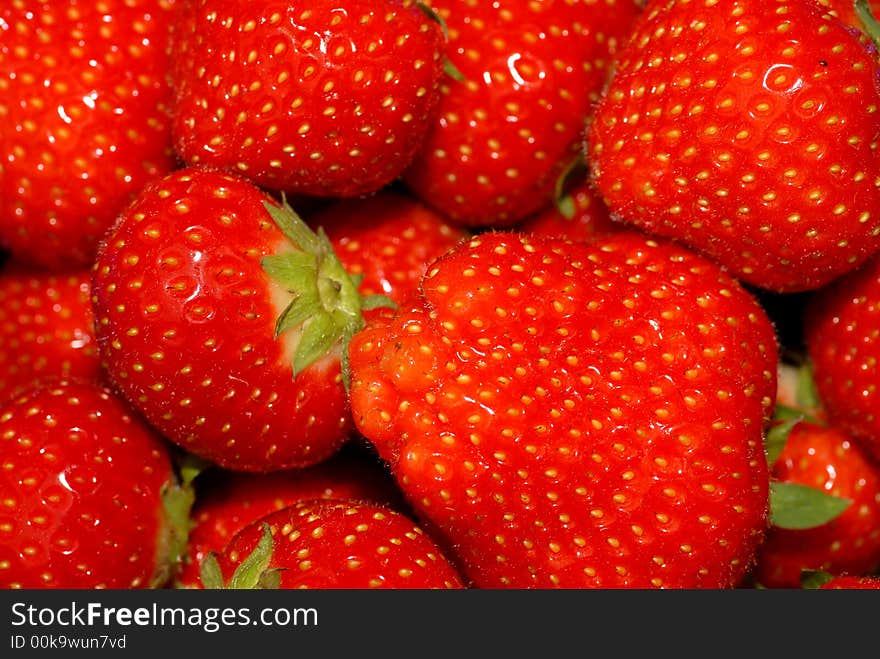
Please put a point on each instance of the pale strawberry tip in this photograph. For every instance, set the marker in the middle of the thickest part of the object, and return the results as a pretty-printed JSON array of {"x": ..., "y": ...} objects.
[{"x": 326, "y": 305}]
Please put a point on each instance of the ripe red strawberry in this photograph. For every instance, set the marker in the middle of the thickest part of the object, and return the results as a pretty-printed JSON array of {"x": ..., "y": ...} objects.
[
  {"x": 842, "y": 336},
  {"x": 228, "y": 501},
  {"x": 746, "y": 130},
  {"x": 90, "y": 498},
  {"x": 191, "y": 288},
  {"x": 576, "y": 414},
  {"x": 323, "y": 98},
  {"x": 504, "y": 134},
  {"x": 825, "y": 459},
  {"x": 387, "y": 239},
  {"x": 334, "y": 545},
  {"x": 46, "y": 328},
  {"x": 581, "y": 215},
  {"x": 84, "y": 105},
  {"x": 851, "y": 582}
]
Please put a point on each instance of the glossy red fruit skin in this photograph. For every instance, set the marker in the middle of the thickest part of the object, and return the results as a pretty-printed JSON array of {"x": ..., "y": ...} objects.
[
  {"x": 387, "y": 238},
  {"x": 85, "y": 109},
  {"x": 842, "y": 338},
  {"x": 185, "y": 324},
  {"x": 747, "y": 131},
  {"x": 576, "y": 415},
  {"x": 233, "y": 500},
  {"x": 590, "y": 217},
  {"x": 827, "y": 459},
  {"x": 331, "y": 545},
  {"x": 852, "y": 582},
  {"x": 844, "y": 10},
  {"x": 323, "y": 98},
  {"x": 46, "y": 328},
  {"x": 506, "y": 132},
  {"x": 82, "y": 484}
]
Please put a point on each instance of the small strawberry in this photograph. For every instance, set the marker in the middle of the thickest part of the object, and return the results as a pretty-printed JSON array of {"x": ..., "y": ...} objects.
[
  {"x": 576, "y": 414},
  {"x": 90, "y": 497},
  {"x": 387, "y": 240},
  {"x": 842, "y": 336},
  {"x": 506, "y": 131},
  {"x": 579, "y": 214},
  {"x": 228, "y": 501},
  {"x": 220, "y": 316},
  {"x": 323, "y": 98},
  {"x": 46, "y": 328},
  {"x": 85, "y": 115},
  {"x": 747, "y": 130},
  {"x": 332, "y": 545},
  {"x": 822, "y": 460}
]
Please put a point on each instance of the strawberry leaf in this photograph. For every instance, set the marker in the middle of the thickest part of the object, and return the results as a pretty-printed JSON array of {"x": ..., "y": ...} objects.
[
  {"x": 320, "y": 334},
  {"x": 209, "y": 572},
  {"x": 250, "y": 571},
  {"x": 795, "y": 506},
  {"x": 807, "y": 396},
  {"x": 813, "y": 579},
  {"x": 325, "y": 306},
  {"x": 778, "y": 433}
]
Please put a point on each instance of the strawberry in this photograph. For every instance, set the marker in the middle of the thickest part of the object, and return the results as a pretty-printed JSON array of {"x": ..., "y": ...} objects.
[
  {"x": 581, "y": 215},
  {"x": 332, "y": 545},
  {"x": 321, "y": 98},
  {"x": 85, "y": 109},
  {"x": 46, "y": 328},
  {"x": 746, "y": 130},
  {"x": 851, "y": 582},
  {"x": 220, "y": 317},
  {"x": 90, "y": 497},
  {"x": 576, "y": 414},
  {"x": 530, "y": 72},
  {"x": 227, "y": 501},
  {"x": 841, "y": 330},
  {"x": 387, "y": 240},
  {"x": 826, "y": 460}
]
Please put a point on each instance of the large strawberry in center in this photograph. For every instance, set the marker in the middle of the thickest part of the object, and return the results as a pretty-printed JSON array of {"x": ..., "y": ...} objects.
[
  {"x": 576, "y": 415},
  {"x": 748, "y": 130}
]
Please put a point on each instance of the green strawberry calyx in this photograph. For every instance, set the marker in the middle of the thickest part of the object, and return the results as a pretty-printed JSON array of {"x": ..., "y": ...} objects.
[
  {"x": 326, "y": 307},
  {"x": 793, "y": 505},
  {"x": 178, "y": 497},
  {"x": 251, "y": 574}
]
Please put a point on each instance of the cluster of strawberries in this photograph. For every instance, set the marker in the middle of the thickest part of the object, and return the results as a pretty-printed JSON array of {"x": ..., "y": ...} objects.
[{"x": 447, "y": 294}]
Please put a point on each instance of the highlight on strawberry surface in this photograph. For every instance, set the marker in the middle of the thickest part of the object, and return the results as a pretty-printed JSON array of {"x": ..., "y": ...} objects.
[{"x": 440, "y": 294}]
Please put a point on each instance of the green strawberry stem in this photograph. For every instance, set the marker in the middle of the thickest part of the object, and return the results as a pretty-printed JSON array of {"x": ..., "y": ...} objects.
[
  {"x": 869, "y": 23},
  {"x": 564, "y": 200},
  {"x": 448, "y": 67},
  {"x": 326, "y": 307},
  {"x": 177, "y": 501}
]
